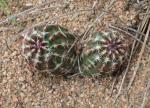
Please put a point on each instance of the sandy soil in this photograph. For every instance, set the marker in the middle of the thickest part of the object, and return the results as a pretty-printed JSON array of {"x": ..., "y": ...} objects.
[{"x": 19, "y": 89}]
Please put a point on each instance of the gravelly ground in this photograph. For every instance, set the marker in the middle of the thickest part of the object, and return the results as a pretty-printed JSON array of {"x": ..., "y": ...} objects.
[{"x": 19, "y": 89}]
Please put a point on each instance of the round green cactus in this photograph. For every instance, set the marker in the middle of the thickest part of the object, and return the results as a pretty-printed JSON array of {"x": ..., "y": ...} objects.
[
  {"x": 104, "y": 53},
  {"x": 48, "y": 48}
]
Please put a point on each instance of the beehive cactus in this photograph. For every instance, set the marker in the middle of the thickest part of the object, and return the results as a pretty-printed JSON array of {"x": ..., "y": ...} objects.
[
  {"x": 104, "y": 53},
  {"x": 48, "y": 48}
]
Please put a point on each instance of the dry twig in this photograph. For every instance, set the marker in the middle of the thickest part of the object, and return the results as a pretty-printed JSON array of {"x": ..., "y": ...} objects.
[
  {"x": 120, "y": 29},
  {"x": 140, "y": 57},
  {"x": 146, "y": 94},
  {"x": 22, "y": 13},
  {"x": 124, "y": 76},
  {"x": 98, "y": 18}
]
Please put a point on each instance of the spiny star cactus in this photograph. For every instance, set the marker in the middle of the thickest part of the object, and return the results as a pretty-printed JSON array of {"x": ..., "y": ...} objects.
[
  {"x": 104, "y": 53},
  {"x": 48, "y": 48}
]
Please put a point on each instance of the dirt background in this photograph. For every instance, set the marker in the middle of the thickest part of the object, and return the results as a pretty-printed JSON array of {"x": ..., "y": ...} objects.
[{"x": 19, "y": 89}]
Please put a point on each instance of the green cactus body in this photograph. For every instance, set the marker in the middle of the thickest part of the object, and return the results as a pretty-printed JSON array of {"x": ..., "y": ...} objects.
[
  {"x": 61, "y": 41},
  {"x": 104, "y": 54},
  {"x": 48, "y": 48}
]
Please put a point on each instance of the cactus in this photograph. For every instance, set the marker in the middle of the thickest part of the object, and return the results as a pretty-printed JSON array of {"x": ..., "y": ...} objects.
[
  {"x": 54, "y": 49},
  {"x": 48, "y": 48},
  {"x": 103, "y": 54}
]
